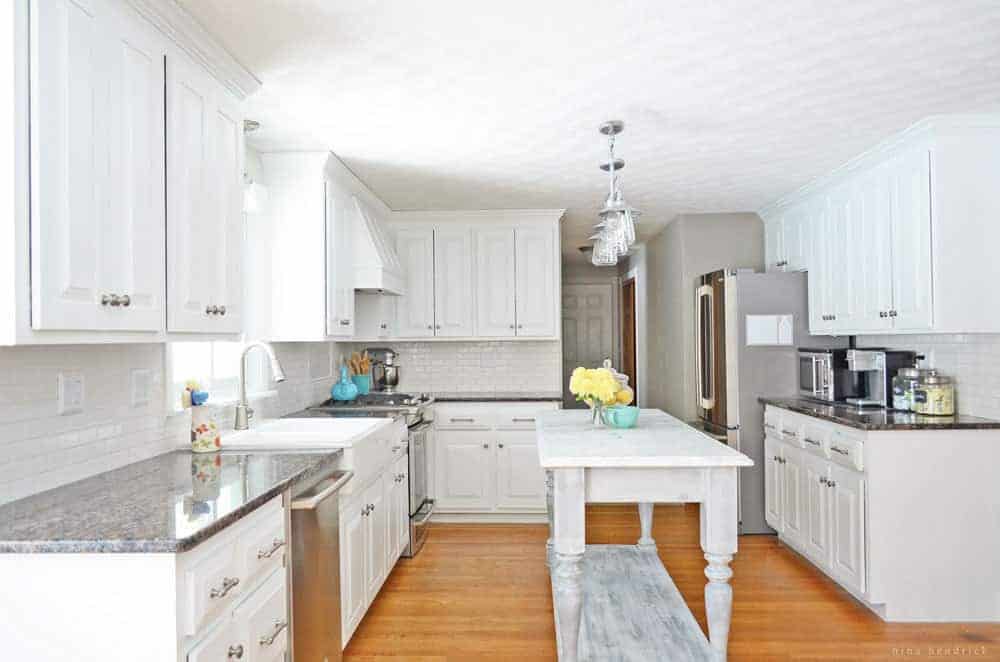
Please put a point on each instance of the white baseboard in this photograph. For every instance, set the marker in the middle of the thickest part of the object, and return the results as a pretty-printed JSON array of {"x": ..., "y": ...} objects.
[{"x": 490, "y": 518}]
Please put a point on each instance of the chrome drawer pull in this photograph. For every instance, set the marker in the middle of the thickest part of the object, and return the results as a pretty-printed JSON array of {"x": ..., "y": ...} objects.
[
  {"x": 768, "y": 426},
  {"x": 522, "y": 420},
  {"x": 462, "y": 420},
  {"x": 228, "y": 584},
  {"x": 267, "y": 640},
  {"x": 838, "y": 449},
  {"x": 268, "y": 553},
  {"x": 789, "y": 433},
  {"x": 812, "y": 441},
  {"x": 235, "y": 652}
]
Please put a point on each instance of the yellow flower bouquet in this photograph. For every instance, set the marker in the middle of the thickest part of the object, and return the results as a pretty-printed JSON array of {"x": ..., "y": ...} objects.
[{"x": 599, "y": 388}]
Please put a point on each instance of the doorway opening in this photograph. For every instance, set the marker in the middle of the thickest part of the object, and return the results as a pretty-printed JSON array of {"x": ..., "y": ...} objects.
[{"x": 628, "y": 334}]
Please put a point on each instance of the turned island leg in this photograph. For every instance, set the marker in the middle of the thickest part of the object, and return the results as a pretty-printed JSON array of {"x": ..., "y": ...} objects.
[
  {"x": 567, "y": 561},
  {"x": 718, "y": 541},
  {"x": 646, "y": 526}
]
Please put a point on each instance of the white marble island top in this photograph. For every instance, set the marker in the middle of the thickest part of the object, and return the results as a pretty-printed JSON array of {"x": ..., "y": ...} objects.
[{"x": 568, "y": 438}]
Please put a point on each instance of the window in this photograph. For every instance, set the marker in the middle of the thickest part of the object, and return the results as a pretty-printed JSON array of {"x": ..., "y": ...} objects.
[{"x": 216, "y": 365}]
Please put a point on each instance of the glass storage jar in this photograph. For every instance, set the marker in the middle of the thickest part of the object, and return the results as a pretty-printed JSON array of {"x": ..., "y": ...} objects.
[
  {"x": 934, "y": 395},
  {"x": 903, "y": 383}
]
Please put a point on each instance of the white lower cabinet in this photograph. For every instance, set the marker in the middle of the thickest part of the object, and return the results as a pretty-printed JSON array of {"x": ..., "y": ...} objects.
[
  {"x": 814, "y": 496},
  {"x": 486, "y": 457},
  {"x": 374, "y": 531}
]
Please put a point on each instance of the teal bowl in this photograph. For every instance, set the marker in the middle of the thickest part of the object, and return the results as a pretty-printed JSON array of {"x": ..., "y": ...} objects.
[{"x": 621, "y": 417}]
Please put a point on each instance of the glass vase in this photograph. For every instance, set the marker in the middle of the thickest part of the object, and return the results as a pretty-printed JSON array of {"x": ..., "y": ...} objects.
[{"x": 598, "y": 409}]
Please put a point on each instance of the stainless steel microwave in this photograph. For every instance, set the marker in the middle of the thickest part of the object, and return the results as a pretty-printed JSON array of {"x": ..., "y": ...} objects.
[{"x": 823, "y": 375}]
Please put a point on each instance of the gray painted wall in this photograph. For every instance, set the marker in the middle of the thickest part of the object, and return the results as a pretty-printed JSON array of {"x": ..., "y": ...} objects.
[{"x": 687, "y": 247}]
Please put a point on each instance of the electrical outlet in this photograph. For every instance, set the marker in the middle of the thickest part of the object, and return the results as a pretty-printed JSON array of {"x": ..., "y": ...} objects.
[
  {"x": 70, "y": 393},
  {"x": 142, "y": 386}
]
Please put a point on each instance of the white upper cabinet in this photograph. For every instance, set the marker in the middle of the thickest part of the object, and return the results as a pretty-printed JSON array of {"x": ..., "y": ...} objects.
[
  {"x": 453, "y": 310},
  {"x": 495, "y": 281},
  {"x": 205, "y": 202},
  {"x": 896, "y": 241},
  {"x": 911, "y": 241},
  {"x": 97, "y": 137},
  {"x": 537, "y": 282},
  {"x": 341, "y": 218},
  {"x": 415, "y": 310},
  {"x": 479, "y": 274},
  {"x": 301, "y": 246}
]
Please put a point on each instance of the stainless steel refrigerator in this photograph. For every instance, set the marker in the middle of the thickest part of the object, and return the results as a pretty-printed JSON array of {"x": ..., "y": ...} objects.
[{"x": 749, "y": 326}]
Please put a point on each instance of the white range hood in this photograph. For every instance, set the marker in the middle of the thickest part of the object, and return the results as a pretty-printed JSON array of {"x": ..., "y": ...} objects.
[{"x": 376, "y": 266}]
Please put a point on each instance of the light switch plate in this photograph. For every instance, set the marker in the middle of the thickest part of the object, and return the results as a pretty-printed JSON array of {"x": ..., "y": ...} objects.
[
  {"x": 141, "y": 387},
  {"x": 70, "y": 393}
]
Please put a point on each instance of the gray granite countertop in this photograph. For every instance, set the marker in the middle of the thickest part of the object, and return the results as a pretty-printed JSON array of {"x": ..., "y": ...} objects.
[
  {"x": 880, "y": 419},
  {"x": 165, "y": 504},
  {"x": 501, "y": 396}
]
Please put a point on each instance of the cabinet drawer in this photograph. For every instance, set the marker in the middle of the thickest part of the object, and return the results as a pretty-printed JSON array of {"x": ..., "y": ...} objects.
[
  {"x": 772, "y": 421},
  {"x": 521, "y": 416},
  {"x": 211, "y": 585},
  {"x": 847, "y": 450},
  {"x": 263, "y": 545},
  {"x": 262, "y": 621},
  {"x": 222, "y": 643},
  {"x": 816, "y": 439},
  {"x": 462, "y": 417},
  {"x": 790, "y": 430}
]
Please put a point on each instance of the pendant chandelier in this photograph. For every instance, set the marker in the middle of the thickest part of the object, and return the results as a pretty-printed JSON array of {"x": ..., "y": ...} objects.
[{"x": 614, "y": 233}]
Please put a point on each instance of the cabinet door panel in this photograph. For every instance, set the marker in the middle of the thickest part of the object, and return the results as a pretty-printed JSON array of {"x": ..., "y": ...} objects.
[
  {"x": 97, "y": 136},
  {"x": 842, "y": 212},
  {"x": 375, "y": 540},
  {"x": 870, "y": 271},
  {"x": 520, "y": 478},
  {"x": 352, "y": 568},
  {"x": 911, "y": 242},
  {"x": 263, "y": 622},
  {"x": 340, "y": 213},
  {"x": 816, "y": 503},
  {"x": 403, "y": 494},
  {"x": 217, "y": 644},
  {"x": 390, "y": 482},
  {"x": 774, "y": 244},
  {"x": 848, "y": 541},
  {"x": 537, "y": 268},
  {"x": 133, "y": 232},
  {"x": 772, "y": 485},
  {"x": 453, "y": 310},
  {"x": 465, "y": 470},
  {"x": 226, "y": 172},
  {"x": 820, "y": 274},
  {"x": 415, "y": 309},
  {"x": 204, "y": 208},
  {"x": 495, "y": 282},
  {"x": 791, "y": 498}
]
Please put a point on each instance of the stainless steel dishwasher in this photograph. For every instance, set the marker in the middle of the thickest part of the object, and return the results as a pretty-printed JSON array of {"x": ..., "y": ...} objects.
[{"x": 316, "y": 571}]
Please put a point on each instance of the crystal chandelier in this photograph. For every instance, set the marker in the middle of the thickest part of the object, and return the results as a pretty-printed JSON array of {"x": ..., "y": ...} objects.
[{"x": 614, "y": 234}]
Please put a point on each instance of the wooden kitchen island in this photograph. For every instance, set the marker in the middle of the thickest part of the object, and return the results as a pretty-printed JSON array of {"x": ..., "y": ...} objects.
[{"x": 617, "y": 602}]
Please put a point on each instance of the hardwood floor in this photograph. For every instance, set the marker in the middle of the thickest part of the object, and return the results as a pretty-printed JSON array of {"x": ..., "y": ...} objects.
[{"x": 481, "y": 592}]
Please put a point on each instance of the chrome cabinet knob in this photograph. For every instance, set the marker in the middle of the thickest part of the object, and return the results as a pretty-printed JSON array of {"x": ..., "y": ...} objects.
[
  {"x": 126, "y": 300},
  {"x": 383, "y": 326},
  {"x": 831, "y": 483},
  {"x": 430, "y": 326},
  {"x": 345, "y": 322},
  {"x": 512, "y": 326},
  {"x": 893, "y": 313},
  {"x": 520, "y": 326},
  {"x": 222, "y": 310},
  {"x": 486, "y": 446},
  {"x": 499, "y": 445},
  {"x": 437, "y": 326},
  {"x": 822, "y": 480},
  {"x": 210, "y": 310},
  {"x": 105, "y": 299}
]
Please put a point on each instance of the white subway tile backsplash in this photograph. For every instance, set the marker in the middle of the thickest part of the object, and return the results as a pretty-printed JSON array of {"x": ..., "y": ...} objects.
[
  {"x": 488, "y": 366},
  {"x": 973, "y": 360}
]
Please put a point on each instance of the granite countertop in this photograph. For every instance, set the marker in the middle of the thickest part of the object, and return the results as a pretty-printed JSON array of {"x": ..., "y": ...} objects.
[
  {"x": 501, "y": 396},
  {"x": 165, "y": 504},
  {"x": 880, "y": 419}
]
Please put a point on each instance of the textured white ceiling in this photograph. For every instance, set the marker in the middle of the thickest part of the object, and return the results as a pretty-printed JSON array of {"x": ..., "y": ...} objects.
[{"x": 728, "y": 105}]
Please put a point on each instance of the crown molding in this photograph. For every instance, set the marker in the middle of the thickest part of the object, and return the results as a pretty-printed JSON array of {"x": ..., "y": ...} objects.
[{"x": 191, "y": 37}]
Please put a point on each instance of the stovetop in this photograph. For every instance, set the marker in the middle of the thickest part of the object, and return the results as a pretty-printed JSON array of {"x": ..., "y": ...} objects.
[{"x": 373, "y": 401}]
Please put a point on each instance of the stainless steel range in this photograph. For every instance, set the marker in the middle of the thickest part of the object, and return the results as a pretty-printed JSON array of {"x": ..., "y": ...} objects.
[{"x": 415, "y": 411}]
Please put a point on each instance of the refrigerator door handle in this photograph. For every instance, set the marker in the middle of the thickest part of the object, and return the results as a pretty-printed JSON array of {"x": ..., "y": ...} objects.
[{"x": 706, "y": 340}]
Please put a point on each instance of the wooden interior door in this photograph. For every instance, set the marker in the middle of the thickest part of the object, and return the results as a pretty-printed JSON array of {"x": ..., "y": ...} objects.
[{"x": 628, "y": 333}]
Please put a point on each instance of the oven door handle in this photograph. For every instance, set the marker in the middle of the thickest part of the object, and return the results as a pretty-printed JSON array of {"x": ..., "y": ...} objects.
[{"x": 429, "y": 505}]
